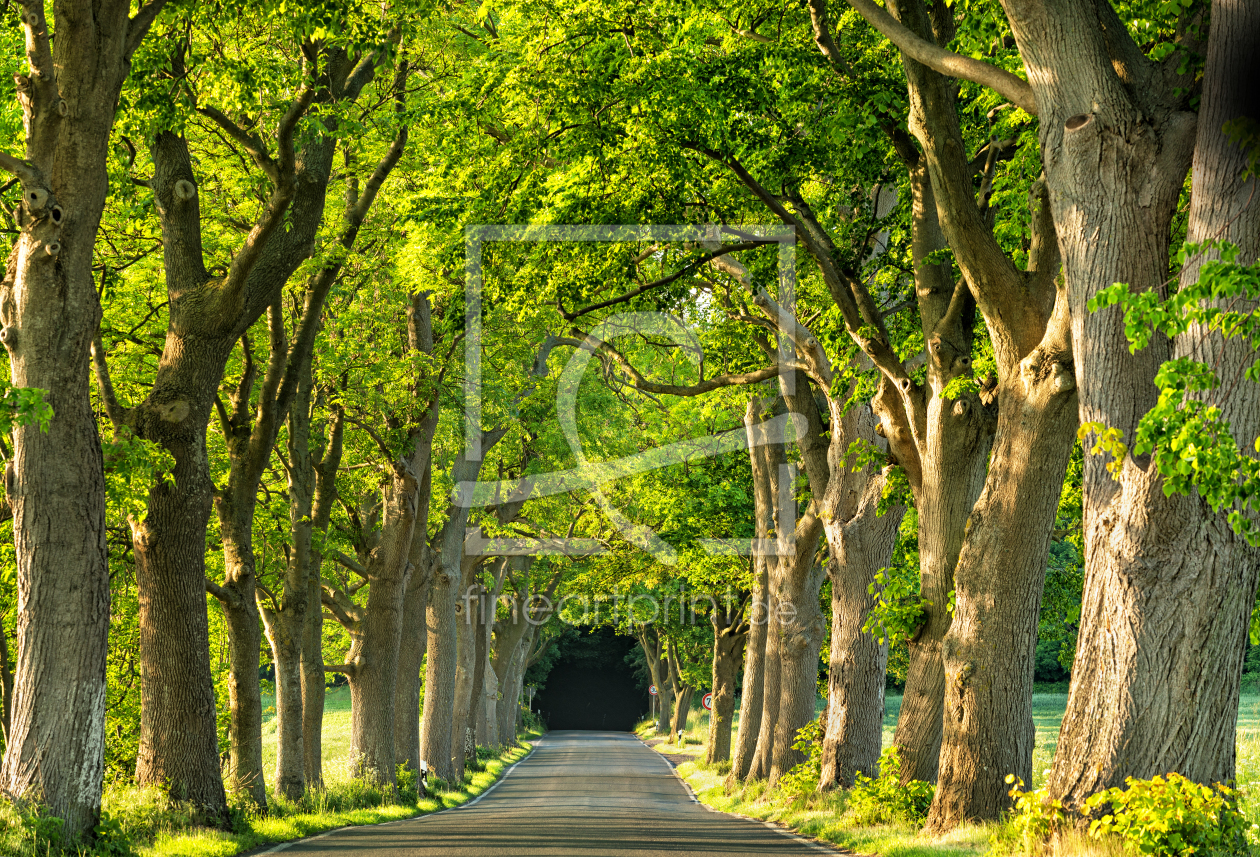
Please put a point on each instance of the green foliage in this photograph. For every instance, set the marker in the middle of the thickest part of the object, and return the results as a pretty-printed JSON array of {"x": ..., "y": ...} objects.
[
  {"x": 131, "y": 465},
  {"x": 898, "y": 610},
  {"x": 23, "y": 406},
  {"x": 884, "y": 800},
  {"x": 1172, "y": 815},
  {"x": 1187, "y": 436},
  {"x": 1031, "y": 820},
  {"x": 803, "y": 779}
]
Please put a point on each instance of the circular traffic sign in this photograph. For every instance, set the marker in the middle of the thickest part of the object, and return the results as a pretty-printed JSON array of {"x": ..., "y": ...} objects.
[
  {"x": 707, "y": 701},
  {"x": 652, "y": 690}
]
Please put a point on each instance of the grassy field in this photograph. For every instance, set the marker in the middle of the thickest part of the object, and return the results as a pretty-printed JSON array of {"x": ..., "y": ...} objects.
[{"x": 336, "y": 735}]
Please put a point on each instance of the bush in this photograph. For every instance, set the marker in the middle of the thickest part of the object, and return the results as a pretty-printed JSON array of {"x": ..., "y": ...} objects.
[
  {"x": 1030, "y": 822},
  {"x": 802, "y": 780},
  {"x": 1167, "y": 816},
  {"x": 883, "y": 800}
]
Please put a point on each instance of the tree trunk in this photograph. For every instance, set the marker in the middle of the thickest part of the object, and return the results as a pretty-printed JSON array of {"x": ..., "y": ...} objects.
[
  {"x": 512, "y": 639},
  {"x": 55, "y": 482},
  {"x": 314, "y": 680},
  {"x": 439, "y": 684},
  {"x": 860, "y": 542},
  {"x": 487, "y": 719},
  {"x": 752, "y": 694},
  {"x": 682, "y": 708},
  {"x": 729, "y": 633},
  {"x": 990, "y": 648},
  {"x": 665, "y": 697},
  {"x": 763, "y": 753},
  {"x": 375, "y": 666},
  {"x": 411, "y": 656},
  {"x": 800, "y": 631},
  {"x": 1157, "y": 691},
  {"x": 467, "y": 608},
  {"x": 240, "y": 608},
  {"x": 765, "y": 460}
]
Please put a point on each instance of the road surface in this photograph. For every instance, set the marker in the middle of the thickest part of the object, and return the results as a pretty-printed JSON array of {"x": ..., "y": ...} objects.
[{"x": 580, "y": 794}]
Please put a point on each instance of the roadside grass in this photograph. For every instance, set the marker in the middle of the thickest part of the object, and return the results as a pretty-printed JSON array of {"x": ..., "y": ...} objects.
[
  {"x": 344, "y": 803},
  {"x": 822, "y": 816},
  {"x": 144, "y": 821}
]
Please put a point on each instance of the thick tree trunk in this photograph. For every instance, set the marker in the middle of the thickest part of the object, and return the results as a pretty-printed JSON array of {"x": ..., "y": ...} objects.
[
  {"x": 54, "y": 481},
  {"x": 411, "y": 656},
  {"x": 860, "y": 542},
  {"x": 765, "y": 460},
  {"x": 990, "y": 648},
  {"x": 467, "y": 608},
  {"x": 1157, "y": 691},
  {"x": 682, "y": 708},
  {"x": 240, "y": 609},
  {"x": 285, "y": 638},
  {"x": 800, "y": 631},
  {"x": 763, "y": 754},
  {"x": 750, "y": 703},
  {"x": 665, "y": 697},
  {"x": 439, "y": 680},
  {"x": 729, "y": 634},
  {"x": 512, "y": 639},
  {"x": 179, "y": 741},
  {"x": 375, "y": 665}
]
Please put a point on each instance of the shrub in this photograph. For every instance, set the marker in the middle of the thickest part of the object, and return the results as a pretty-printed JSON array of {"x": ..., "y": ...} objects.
[
  {"x": 1171, "y": 816},
  {"x": 803, "y": 779},
  {"x": 1031, "y": 821},
  {"x": 883, "y": 800}
]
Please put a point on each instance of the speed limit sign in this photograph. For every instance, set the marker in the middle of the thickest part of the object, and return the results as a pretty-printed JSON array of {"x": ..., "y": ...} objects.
[
  {"x": 652, "y": 690},
  {"x": 707, "y": 701}
]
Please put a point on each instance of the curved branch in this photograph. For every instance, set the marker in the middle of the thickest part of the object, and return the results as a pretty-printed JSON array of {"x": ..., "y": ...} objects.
[
  {"x": 1014, "y": 89},
  {"x": 116, "y": 412}
]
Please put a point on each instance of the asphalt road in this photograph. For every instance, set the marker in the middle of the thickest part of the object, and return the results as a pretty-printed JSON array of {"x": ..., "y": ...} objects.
[{"x": 580, "y": 794}]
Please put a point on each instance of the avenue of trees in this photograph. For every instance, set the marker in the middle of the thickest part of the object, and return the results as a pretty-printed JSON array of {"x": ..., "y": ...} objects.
[{"x": 966, "y": 290}]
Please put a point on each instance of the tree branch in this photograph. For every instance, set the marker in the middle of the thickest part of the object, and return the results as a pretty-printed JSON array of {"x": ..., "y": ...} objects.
[
  {"x": 138, "y": 26},
  {"x": 349, "y": 562},
  {"x": 117, "y": 414},
  {"x": 664, "y": 281},
  {"x": 1014, "y": 89},
  {"x": 38, "y": 49}
]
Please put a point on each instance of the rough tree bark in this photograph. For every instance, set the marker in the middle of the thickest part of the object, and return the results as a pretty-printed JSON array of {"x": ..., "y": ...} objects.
[
  {"x": 436, "y": 745},
  {"x": 50, "y": 312},
  {"x": 765, "y": 468},
  {"x": 861, "y": 542},
  {"x": 730, "y": 631},
  {"x": 251, "y": 429},
  {"x": 286, "y": 622},
  {"x": 1158, "y": 691},
  {"x": 988, "y": 650}
]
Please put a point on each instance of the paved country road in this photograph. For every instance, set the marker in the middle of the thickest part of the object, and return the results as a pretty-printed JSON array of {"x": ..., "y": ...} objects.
[{"x": 580, "y": 794}]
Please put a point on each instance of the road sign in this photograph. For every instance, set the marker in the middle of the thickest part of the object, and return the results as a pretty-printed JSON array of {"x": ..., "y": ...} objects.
[
  {"x": 652, "y": 690},
  {"x": 707, "y": 702}
]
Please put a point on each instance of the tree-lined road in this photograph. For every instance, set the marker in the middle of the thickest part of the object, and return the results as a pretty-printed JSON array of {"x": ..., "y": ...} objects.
[{"x": 580, "y": 794}]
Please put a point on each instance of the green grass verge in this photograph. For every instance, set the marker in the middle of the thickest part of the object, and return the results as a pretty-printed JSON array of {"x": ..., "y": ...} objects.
[{"x": 315, "y": 814}]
